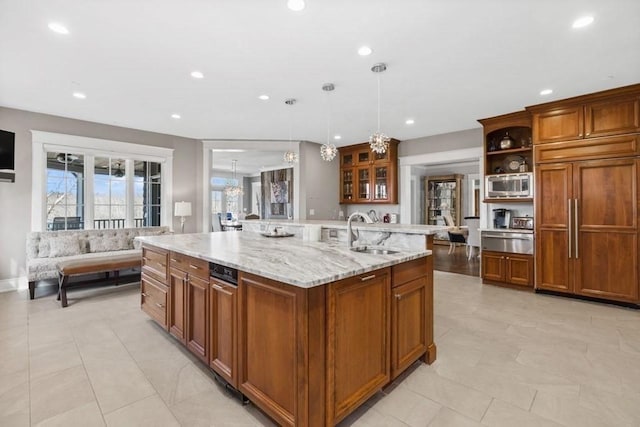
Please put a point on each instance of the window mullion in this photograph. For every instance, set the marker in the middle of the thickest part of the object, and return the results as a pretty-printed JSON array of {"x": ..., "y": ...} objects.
[
  {"x": 89, "y": 167},
  {"x": 129, "y": 175}
]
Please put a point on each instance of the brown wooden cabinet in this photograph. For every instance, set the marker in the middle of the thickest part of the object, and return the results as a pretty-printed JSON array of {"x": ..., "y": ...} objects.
[
  {"x": 358, "y": 341},
  {"x": 177, "y": 299},
  {"x": 587, "y": 228},
  {"x": 153, "y": 299},
  {"x": 507, "y": 268},
  {"x": 443, "y": 196},
  {"x": 607, "y": 113},
  {"x": 368, "y": 177},
  {"x": 223, "y": 335},
  {"x": 197, "y": 313}
]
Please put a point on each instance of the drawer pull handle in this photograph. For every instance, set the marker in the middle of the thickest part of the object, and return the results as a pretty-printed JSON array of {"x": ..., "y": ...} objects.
[
  {"x": 144, "y": 295},
  {"x": 365, "y": 278},
  {"x": 174, "y": 260},
  {"x": 160, "y": 305},
  {"x": 144, "y": 258},
  {"x": 218, "y": 287},
  {"x": 194, "y": 266},
  {"x": 398, "y": 297}
]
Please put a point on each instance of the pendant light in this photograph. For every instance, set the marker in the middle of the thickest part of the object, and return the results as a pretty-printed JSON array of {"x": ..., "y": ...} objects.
[
  {"x": 379, "y": 142},
  {"x": 290, "y": 156},
  {"x": 233, "y": 188},
  {"x": 328, "y": 151}
]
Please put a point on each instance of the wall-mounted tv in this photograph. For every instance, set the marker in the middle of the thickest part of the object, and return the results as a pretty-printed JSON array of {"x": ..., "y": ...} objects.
[{"x": 7, "y": 150}]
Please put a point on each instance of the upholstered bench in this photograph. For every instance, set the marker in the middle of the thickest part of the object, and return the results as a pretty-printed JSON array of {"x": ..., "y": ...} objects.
[{"x": 83, "y": 267}]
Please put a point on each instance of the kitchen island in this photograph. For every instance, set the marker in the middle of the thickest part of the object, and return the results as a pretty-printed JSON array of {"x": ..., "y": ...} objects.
[{"x": 310, "y": 331}]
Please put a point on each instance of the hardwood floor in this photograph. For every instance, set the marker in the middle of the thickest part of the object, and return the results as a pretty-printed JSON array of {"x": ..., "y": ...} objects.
[{"x": 456, "y": 262}]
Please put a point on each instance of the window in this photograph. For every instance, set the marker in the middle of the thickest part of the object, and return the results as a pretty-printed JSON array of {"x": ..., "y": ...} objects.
[
  {"x": 78, "y": 183},
  {"x": 65, "y": 191},
  {"x": 220, "y": 201}
]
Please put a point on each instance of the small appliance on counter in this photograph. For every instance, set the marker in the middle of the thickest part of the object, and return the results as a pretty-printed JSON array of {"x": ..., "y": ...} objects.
[
  {"x": 501, "y": 218},
  {"x": 522, "y": 222}
]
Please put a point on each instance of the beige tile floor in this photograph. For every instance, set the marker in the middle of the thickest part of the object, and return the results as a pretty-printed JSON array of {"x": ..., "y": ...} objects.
[{"x": 505, "y": 358}]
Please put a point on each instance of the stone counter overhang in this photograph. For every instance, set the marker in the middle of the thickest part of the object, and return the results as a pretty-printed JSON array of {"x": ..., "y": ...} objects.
[{"x": 286, "y": 259}]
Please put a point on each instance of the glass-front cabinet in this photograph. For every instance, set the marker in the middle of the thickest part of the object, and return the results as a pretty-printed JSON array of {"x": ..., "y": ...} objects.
[
  {"x": 368, "y": 177},
  {"x": 443, "y": 198}
]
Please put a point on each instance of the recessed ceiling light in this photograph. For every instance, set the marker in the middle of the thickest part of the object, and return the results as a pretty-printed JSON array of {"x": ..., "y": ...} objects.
[
  {"x": 409, "y": 121},
  {"x": 79, "y": 95},
  {"x": 264, "y": 97},
  {"x": 546, "y": 92},
  {"x": 58, "y": 28},
  {"x": 582, "y": 22},
  {"x": 295, "y": 5},
  {"x": 336, "y": 137},
  {"x": 364, "y": 51},
  {"x": 175, "y": 116},
  {"x": 197, "y": 74}
]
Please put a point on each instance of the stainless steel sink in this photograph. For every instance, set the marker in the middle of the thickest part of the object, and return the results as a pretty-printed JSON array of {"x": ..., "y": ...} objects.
[{"x": 375, "y": 251}]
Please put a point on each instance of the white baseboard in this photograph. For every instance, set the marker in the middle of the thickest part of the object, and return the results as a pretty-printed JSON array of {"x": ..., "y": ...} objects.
[{"x": 13, "y": 284}]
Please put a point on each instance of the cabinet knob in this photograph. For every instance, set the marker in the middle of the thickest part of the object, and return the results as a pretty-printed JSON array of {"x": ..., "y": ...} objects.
[
  {"x": 507, "y": 257},
  {"x": 398, "y": 297},
  {"x": 588, "y": 133},
  {"x": 144, "y": 295}
]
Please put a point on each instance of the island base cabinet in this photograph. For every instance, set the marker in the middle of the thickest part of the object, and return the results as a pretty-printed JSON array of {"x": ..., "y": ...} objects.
[
  {"x": 280, "y": 349},
  {"x": 197, "y": 314},
  {"x": 177, "y": 293},
  {"x": 408, "y": 324},
  {"x": 223, "y": 330},
  {"x": 154, "y": 299},
  {"x": 358, "y": 341}
]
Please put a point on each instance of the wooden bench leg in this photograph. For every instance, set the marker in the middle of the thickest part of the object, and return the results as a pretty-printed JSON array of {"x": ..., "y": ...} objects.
[
  {"x": 62, "y": 291},
  {"x": 32, "y": 290},
  {"x": 116, "y": 275}
]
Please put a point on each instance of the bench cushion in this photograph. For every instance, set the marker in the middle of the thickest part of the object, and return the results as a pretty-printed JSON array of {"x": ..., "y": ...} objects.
[{"x": 99, "y": 265}]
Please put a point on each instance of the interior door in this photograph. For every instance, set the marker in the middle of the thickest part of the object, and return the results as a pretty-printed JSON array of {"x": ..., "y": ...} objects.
[
  {"x": 606, "y": 211},
  {"x": 554, "y": 191}
]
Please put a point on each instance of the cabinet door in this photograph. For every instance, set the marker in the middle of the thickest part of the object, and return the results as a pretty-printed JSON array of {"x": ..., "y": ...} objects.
[
  {"x": 154, "y": 263},
  {"x": 408, "y": 323},
  {"x": 612, "y": 117},
  {"x": 347, "y": 158},
  {"x": 347, "y": 185},
  {"x": 606, "y": 214},
  {"x": 363, "y": 175},
  {"x": 493, "y": 266},
  {"x": 197, "y": 316},
  {"x": 363, "y": 157},
  {"x": 381, "y": 175},
  {"x": 358, "y": 344},
  {"x": 554, "y": 190},
  {"x": 519, "y": 270},
  {"x": 223, "y": 330},
  {"x": 558, "y": 125},
  {"x": 177, "y": 293},
  {"x": 153, "y": 299}
]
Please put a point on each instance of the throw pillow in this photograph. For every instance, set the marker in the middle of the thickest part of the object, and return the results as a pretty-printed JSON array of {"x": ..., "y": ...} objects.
[
  {"x": 64, "y": 246},
  {"x": 108, "y": 244}
]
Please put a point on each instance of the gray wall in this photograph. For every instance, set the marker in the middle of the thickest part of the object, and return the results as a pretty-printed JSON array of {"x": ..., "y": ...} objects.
[
  {"x": 15, "y": 199},
  {"x": 247, "y": 198},
  {"x": 470, "y": 138},
  {"x": 319, "y": 186}
]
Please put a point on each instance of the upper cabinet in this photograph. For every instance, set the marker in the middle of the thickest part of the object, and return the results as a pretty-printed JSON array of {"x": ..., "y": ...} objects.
[
  {"x": 613, "y": 112},
  {"x": 368, "y": 177}
]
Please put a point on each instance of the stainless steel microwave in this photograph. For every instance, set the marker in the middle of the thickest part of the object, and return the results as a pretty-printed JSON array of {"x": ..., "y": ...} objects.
[{"x": 509, "y": 186}]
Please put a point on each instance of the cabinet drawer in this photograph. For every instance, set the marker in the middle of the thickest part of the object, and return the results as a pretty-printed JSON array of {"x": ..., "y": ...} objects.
[
  {"x": 586, "y": 149},
  {"x": 154, "y": 263},
  {"x": 407, "y": 271},
  {"x": 153, "y": 299},
  {"x": 193, "y": 266}
]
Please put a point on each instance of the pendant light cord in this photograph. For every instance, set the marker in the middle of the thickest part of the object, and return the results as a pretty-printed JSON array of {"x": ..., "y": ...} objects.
[{"x": 378, "y": 76}]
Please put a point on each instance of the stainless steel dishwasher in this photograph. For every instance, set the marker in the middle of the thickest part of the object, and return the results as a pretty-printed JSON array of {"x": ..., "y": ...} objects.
[{"x": 503, "y": 241}]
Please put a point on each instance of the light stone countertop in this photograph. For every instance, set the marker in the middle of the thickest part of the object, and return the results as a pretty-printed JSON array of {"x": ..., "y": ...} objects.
[
  {"x": 285, "y": 259},
  {"x": 356, "y": 225}
]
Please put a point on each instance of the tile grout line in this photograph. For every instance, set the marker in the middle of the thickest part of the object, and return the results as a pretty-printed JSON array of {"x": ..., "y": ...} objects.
[{"x": 487, "y": 409}]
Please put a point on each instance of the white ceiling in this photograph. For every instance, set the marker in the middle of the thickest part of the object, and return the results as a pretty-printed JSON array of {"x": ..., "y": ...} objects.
[
  {"x": 450, "y": 62},
  {"x": 248, "y": 162}
]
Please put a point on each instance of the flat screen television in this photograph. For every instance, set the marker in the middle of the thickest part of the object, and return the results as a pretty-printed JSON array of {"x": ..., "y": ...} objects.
[{"x": 7, "y": 150}]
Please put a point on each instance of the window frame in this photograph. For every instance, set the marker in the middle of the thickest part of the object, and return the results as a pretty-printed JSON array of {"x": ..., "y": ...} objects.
[{"x": 43, "y": 142}]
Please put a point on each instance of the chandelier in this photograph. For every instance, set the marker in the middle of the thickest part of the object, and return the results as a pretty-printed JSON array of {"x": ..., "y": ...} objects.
[
  {"x": 379, "y": 142},
  {"x": 328, "y": 151},
  {"x": 233, "y": 188},
  {"x": 290, "y": 156}
]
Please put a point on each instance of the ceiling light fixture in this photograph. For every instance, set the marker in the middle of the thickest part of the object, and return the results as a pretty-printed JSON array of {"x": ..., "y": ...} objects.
[
  {"x": 176, "y": 116},
  {"x": 582, "y": 22},
  {"x": 337, "y": 137},
  {"x": 409, "y": 121},
  {"x": 296, "y": 5},
  {"x": 56, "y": 27},
  {"x": 233, "y": 187},
  {"x": 290, "y": 156},
  {"x": 118, "y": 172},
  {"x": 546, "y": 92},
  {"x": 66, "y": 158},
  {"x": 364, "y": 51},
  {"x": 379, "y": 142},
  {"x": 79, "y": 95},
  {"x": 197, "y": 74},
  {"x": 264, "y": 97},
  {"x": 328, "y": 151}
]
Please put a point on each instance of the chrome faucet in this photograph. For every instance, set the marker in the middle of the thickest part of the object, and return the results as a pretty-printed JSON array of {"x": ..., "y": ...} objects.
[{"x": 350, "y": 234}]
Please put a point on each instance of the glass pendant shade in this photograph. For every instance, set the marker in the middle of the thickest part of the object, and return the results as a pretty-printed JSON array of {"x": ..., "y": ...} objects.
[
  {"x": 379, "y": 142},
  {"x": 290, "y": 156},
  {"x": 328, "y": 152},
  {"x": 233, "y": 188}
]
